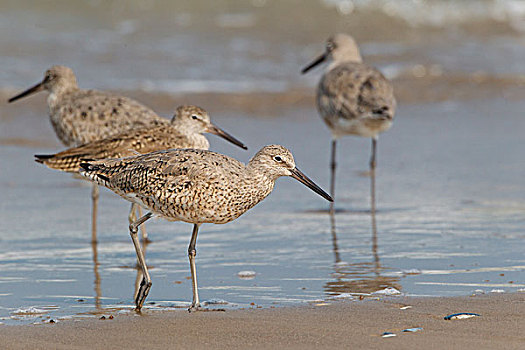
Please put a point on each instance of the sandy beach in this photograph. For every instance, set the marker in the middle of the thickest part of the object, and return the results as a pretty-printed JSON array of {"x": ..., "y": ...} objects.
[{"x": 344, "y": 325}]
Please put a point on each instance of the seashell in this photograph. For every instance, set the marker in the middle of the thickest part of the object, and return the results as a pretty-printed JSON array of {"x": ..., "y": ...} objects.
[
  {"x": 388, "y": 335},
  {"x": 341, "y": 296},
  {"x": 497, "y": 291},
  {"x": 412, "y": 330},
  {"x": 387, "y": 291},
  {"x": 460, "y": 316},
  {"x": 248, "y": 275}
]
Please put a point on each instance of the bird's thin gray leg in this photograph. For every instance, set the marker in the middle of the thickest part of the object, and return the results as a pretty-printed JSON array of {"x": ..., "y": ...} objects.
[
  {"x": 373, "y": 177},
  {"x": 144, "y": 234},
  {"x": 138, "y": 280},
  {"x": 191, "y": 255},
  {"x": 333, "y": 165},
  {"x": 131, "y": 216},
  {"x": 94, "y": 200},
  {"x": 373, "y": 156},
  {"x": 145, "y": 285}
]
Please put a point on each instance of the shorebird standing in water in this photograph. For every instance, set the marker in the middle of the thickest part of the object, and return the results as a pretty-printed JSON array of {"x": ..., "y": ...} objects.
[
  {"x": 184, "y": 131},
  {"x": 353, "y": 99},
  {"x": 80, "y": 116},
  {"x": 194, "y": 186}
]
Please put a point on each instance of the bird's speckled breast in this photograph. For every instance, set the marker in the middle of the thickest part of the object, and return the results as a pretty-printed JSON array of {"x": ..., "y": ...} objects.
[{"x": 219, "y": 200}]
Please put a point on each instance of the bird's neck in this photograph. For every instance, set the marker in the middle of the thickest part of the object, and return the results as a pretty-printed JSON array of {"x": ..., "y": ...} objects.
[
  {"x": 344, "y": 59},
  {"x": 195, "y": 139},
  {"x": 59, "y": 91},
  {"x": 198, "y": 141},
  {"x": 263, "y": 182}
]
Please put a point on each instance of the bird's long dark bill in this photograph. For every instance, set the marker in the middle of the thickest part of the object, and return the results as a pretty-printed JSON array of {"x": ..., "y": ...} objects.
[
  {"x": 38, "y": 87},
  {"x": 314, "y": 63},
  {"x": 302, "y": 178},
  {"x": 219, "y": 132}
]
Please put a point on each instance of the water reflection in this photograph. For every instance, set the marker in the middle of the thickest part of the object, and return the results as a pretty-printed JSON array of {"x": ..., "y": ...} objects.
[
  {"x": 361, "y": 277},
  {"x": 98, "y": 292},
  {"x": 97, "y": 280},
  {"x": 335, "y": 246}
]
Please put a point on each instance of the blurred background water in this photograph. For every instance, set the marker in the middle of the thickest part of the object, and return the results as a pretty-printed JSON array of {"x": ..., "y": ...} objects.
[
  {"x": 246, "y": 46},
  {"x": 451, "y": 208}
]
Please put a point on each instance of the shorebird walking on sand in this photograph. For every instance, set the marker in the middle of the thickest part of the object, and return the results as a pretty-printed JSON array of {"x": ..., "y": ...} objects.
[
  {"x": 194, "y": 186},
  {"x": 185, "y": 131},
  {"x": 81, "y": 116},
  {"x": 353, "y": 99}
]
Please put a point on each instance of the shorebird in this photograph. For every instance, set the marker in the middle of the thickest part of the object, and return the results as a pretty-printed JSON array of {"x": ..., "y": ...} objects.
[
  {"x": 194, "y": 186},
  {"x": 80, "y": 116},
  {"x": 353, "y": 99},
  {"x": 184, "y": 131}
]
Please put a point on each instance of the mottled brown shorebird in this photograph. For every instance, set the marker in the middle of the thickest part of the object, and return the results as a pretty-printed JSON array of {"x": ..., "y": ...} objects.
[
  {"x": 194, "y": 186},
  {"x": 184, "y": 131},
  {"x": 80, "y": 116},
  {"x": 353, "y": 99}
]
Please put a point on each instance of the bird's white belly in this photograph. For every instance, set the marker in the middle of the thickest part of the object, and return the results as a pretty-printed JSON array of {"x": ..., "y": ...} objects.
[{"x": 360, "y": 127}]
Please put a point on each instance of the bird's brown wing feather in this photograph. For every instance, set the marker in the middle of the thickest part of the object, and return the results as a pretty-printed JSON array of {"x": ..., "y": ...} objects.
[{"x": 354, "y": 90}]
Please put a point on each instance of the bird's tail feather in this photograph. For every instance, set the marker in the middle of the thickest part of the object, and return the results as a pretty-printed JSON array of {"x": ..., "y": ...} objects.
[
  {"x": 95, "y": 173},
  {"x": 67, "y": 163}
]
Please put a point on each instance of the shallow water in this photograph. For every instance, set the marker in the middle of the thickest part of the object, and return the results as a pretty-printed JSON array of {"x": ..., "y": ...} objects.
[
  {"x": 450, "y": 191},
  {"x": 450, "y": 221}
]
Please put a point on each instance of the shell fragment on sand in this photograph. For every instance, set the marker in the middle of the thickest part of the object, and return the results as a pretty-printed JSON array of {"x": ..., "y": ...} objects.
[
  {"x": 388, "y": 335},
  {"x": 413, "y": 330},
  {"x": 387, "y": 291},
  {"x": 461, "y": 316},
  {"x": 246, "y": 275},
  {"x": 342, "y": 296},
  {"x": 497, "y": 291}
]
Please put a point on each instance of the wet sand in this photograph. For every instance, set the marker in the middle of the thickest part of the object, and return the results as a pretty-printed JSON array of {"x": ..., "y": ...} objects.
[{"x": 351, "y": 324}]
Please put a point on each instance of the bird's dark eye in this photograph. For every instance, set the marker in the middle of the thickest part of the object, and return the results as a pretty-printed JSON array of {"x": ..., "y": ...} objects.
[
  {"x": 330, "y": 46},
  {"x": 194, "y": 117},
  {"x": 278, "y": 159}
]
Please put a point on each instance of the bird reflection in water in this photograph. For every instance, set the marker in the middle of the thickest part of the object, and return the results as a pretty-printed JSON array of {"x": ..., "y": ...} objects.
[
  {"x": 98, "y": 292},
  {"x": 96, "y": 264},
  {"x": 359, "y": 278}
]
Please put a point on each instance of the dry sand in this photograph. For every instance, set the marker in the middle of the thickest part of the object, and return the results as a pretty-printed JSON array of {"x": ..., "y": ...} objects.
[{"x": 348, "y": 325}]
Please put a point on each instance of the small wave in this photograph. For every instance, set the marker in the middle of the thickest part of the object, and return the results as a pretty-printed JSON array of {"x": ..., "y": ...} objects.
[{"x": 438, "y": 13}]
